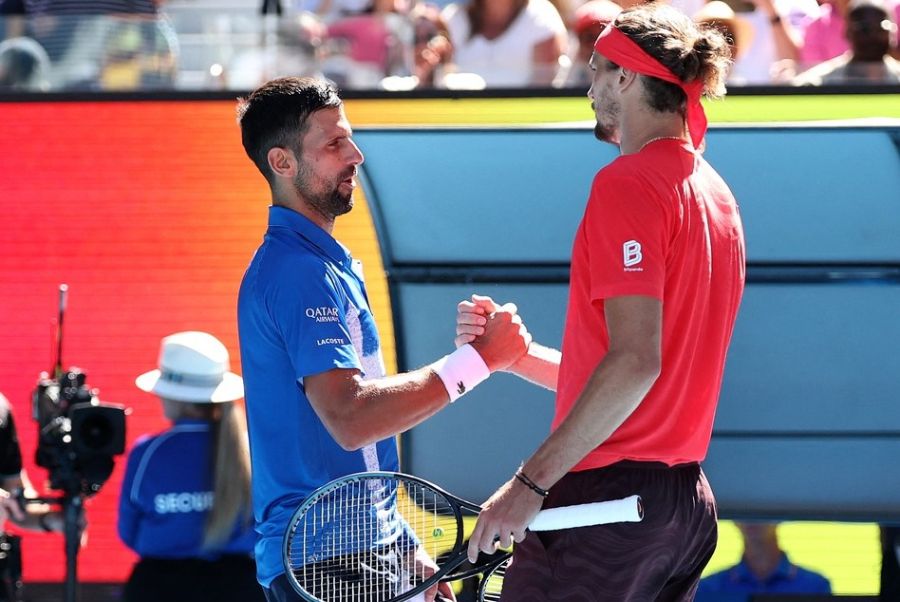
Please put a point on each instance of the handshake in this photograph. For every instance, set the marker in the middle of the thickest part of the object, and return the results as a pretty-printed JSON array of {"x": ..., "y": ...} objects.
[{"x": 495, "y": 331}]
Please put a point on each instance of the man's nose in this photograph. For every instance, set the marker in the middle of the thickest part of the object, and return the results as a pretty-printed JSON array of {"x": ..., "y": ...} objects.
[{"x": 357, "y": 158}]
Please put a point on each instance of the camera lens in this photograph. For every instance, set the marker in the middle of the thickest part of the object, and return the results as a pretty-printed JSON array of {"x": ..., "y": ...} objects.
[{"x": 95, "y": 432}]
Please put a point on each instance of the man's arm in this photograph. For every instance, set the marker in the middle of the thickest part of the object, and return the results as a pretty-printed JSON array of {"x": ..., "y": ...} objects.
[
  {"x": 14, "y": 482},
  {"x": 614, "y": 391},
  {"x": 787, "y": 41},
  {"x": 359, "y": 412},
  {"x": 540, "y": 365},
  {"x": 37, "y": 517},
  {"x": 9, "y": 506}
]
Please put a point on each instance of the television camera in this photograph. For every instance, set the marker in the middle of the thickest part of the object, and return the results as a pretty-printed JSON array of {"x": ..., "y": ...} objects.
[
  {"x": 78, "y": 435},
  {"x": 78, "y": 439}
]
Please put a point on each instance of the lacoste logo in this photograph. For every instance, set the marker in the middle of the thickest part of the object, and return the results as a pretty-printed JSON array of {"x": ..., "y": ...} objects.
[
  {"x": 632, "y": 255},
  {"x": 460, "y": 387}
]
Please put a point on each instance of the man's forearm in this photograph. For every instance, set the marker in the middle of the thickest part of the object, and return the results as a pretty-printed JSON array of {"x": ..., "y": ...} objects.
[
  {"x": 372, "y": 410},
  {"x": 42, "y": 519},
  {"x": 613, "y": 392},
  {"x": 359, "y": 412},
  {"x": 539, "y": 366}
]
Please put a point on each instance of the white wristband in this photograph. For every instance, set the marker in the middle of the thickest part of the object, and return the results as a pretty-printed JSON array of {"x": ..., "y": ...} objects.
[{"x": 461, "y": 371}]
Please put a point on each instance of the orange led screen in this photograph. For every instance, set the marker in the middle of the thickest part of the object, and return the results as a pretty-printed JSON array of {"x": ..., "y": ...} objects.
[{"x": 149, "y": 211}]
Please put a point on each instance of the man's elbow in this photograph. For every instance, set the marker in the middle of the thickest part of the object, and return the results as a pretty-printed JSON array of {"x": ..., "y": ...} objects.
[
  {"x": 652, "y": 368},
  {"x": 645, "y": 367},
  {"x": 341, "y": 411},
  {"x": 649, "y": 375},
  {"x": 347, "y": 431},
  {"x": 350, "y": 441}
]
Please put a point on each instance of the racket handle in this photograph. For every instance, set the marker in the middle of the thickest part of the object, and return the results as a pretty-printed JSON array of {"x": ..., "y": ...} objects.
[{"x": 626, "y": 510}]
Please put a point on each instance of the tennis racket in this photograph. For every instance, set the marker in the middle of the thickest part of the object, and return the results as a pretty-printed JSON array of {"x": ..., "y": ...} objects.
[
  {"x": 362, "y": 537},
  {"x": 492, "y": 582}
]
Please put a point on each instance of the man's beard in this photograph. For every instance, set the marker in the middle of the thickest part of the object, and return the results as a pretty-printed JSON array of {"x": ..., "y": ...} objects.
[
  {"x": 606, "y": 132},
  {"x": 328, "y": 202}
]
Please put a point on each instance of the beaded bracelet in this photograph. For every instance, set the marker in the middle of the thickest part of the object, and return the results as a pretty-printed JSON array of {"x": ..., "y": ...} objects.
[{"x": 523, "y": 478}]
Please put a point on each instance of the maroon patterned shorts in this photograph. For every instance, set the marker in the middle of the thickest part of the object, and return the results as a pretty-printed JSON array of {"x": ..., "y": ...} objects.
[{"x": 658, "y": 559}]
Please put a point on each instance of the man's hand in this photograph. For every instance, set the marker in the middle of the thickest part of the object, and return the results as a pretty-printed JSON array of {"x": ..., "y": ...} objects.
[
  {"x": 471, "y": 317},
  {"x": 505, "y": 339},
  {"x": 504, "y": 518},
  {"x": 496, "y": 332}
]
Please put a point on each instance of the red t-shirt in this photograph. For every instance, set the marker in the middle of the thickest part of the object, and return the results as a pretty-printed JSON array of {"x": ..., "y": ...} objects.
[{"x": 661, "y": 223}]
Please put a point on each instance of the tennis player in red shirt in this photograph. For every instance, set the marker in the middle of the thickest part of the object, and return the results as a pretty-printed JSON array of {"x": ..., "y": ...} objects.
[{"x": 657, "y": 275}]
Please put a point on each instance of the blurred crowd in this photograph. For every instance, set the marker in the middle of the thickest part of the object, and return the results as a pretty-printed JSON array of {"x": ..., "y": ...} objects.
[{"x": 396, "y": 45}]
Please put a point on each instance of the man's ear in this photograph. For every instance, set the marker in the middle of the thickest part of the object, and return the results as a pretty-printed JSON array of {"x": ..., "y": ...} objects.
[
  {"x": 626, "y": 78},
  {"x": 282, "y": 162}
]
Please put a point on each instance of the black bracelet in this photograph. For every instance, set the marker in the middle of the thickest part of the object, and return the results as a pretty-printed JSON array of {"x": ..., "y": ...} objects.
[{"x": 523, "y": 478}]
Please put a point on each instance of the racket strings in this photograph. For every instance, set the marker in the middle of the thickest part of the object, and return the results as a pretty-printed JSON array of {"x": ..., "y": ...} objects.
[
  {"x": 492, "y": 584},
  {"x": 358, "y": 542}
]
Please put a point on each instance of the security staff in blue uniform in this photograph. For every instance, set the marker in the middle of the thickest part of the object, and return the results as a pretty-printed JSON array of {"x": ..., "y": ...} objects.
[{"x": 185, "y": 500}]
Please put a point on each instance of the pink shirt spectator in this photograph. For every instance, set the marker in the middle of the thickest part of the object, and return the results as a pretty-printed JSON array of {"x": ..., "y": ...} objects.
[
  {"x": 368, "y": 36},
  {"x": 824, "y": 38}
]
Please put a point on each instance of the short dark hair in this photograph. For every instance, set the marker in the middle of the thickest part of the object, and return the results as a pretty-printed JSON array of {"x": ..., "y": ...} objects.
[
  {"x": 276, "y": 115},
  {"x": 689, "y": 51}
]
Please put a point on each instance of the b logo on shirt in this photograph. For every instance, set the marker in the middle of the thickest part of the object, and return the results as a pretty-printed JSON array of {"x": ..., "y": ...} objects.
[{"x": 631, "y": 255}]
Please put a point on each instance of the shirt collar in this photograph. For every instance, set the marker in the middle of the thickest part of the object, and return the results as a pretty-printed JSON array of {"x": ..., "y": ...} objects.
[{"x": 302, "y": 225}]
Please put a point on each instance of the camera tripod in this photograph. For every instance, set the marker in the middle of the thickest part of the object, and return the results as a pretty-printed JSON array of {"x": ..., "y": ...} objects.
[{"x": 73, "y": 515}]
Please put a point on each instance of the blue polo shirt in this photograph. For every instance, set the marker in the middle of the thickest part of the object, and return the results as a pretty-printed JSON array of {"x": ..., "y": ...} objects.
[
  {"x": 302, "y": 310},
  {"x": 167, "y": 493},
  {"x": 738, "y": 583}
]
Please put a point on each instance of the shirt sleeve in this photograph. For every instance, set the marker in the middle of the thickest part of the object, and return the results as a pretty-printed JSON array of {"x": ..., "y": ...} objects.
[
  {"x": 626, "y": 236},
  {"x": 312, "y": 318},
  {"x": 130, "y": 514}
]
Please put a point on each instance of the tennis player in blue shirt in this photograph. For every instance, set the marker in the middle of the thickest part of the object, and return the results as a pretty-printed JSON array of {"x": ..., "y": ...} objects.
[{"x": 319, "y": 405}]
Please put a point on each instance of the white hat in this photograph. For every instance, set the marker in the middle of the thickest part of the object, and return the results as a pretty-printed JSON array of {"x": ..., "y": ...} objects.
[{"x": 194, "y": 367}]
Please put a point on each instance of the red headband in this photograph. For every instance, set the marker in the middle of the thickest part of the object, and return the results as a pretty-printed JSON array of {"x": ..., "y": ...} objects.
[{"x": 623, "y": 51}]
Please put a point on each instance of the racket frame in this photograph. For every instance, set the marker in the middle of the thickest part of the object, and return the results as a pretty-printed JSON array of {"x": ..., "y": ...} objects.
[
  {"x": 458, "y": 550},
  {"x": 485, "y": 580}
]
